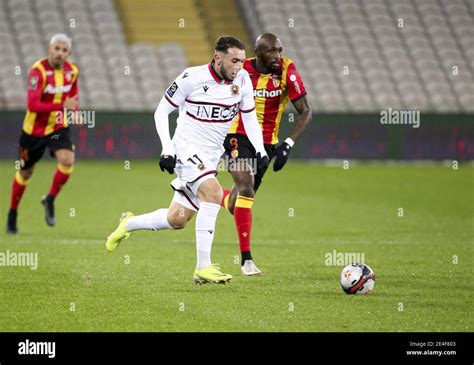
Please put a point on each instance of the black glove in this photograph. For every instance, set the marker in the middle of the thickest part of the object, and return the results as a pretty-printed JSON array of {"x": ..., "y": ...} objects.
[
  {"x": 282, "y": 153},
  {"x": 262, "y": 162},
  {"x": 167, "y": 162}
]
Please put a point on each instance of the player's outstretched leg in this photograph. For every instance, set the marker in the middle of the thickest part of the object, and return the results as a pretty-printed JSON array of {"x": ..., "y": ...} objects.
[
  {"x": 210, "y": 195},
  {"x": 128, "y": 222},
  {"x": 175, "y": 217}
]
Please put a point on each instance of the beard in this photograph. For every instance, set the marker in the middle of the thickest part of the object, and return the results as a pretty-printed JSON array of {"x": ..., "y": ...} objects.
[
  {"x": 224, "y": 73},
  {"x": 271, "y": 67},
  {"x": 58, "y": 63}
]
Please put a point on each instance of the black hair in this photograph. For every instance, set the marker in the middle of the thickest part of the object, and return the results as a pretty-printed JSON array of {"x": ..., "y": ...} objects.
[{"x": 223, "y": 43}]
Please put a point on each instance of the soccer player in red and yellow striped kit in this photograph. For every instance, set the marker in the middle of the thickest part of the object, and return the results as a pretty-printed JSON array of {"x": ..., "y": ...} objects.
[
  {"x": 275, "y": 82},
  {"x": 52, "y": 89}
]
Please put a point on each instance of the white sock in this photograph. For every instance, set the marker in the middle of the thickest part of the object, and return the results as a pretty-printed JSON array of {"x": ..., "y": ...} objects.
[
  {"x": 155, "y": 220},
  {"x": 205, "y": 226}
]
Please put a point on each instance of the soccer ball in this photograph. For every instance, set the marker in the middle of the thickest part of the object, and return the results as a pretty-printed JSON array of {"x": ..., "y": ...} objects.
[{"x": 357, "y": 279}]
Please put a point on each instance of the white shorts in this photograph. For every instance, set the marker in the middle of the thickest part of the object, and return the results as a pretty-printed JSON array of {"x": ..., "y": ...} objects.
[{"x": 193, "y": 167}]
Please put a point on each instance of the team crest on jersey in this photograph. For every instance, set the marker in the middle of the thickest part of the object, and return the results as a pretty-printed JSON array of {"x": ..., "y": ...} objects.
[
  {"x": 33, "y": 83},
  {"x": 276, "y": 81},
  {"x": 201, "y": 166},
  {"x": 234, "y": 153},
  {"x": 69, "y": 76},
  {"x": 235, "y": 89}
]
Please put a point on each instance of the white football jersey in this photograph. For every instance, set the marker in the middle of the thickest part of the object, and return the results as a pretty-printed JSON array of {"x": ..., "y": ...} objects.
[{"x": 208, "y": 105}]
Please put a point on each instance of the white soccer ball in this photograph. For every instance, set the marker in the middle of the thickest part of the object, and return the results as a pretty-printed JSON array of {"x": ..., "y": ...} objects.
[{"x": 357, "y": 279}]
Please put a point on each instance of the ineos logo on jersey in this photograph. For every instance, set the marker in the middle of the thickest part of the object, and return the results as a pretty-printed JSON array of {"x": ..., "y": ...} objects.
[
  {"x": 264, "y": 93},
  {"x": 50, "y": 89},
  {"x": 216, "y": 113}
]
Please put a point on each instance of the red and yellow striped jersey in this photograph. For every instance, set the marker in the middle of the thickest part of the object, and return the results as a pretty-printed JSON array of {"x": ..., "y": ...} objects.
[
  {"x": 48, "y": 87},
  {"x": 272, "y": 93}
]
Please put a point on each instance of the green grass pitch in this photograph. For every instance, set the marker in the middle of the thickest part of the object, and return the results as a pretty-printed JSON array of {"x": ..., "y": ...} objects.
[{"x": 423, "y": 260}]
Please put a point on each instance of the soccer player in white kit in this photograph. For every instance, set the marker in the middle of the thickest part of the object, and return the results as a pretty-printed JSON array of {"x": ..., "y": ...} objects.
[{"x": 209, "y": 97}]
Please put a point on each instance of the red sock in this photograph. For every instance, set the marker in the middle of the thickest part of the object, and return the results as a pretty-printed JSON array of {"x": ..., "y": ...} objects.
[
  {"x": 18, "y": 188},
  {"x": 225, "y": 199},
  {"x": 243, "y": 221},
  {"x": 60, "y": 178}
]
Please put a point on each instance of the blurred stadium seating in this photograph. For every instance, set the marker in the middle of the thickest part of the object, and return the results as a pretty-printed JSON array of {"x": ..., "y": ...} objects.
[
  {"x": 126, "y": 58},
  {"x": 161, "y": 21},
  {"x": 408, "y": 67},
  {"x": 114, "y": 75}
]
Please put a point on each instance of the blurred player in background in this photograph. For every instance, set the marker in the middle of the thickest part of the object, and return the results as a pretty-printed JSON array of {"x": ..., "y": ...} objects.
[
  {"x": 52, "y": 87},
  {"x": 208, "y": 97},
  {"x": 275, "y": 81}
]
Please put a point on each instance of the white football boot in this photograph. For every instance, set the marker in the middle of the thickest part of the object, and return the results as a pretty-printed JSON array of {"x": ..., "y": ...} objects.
[{"x": 249, "y": 268}]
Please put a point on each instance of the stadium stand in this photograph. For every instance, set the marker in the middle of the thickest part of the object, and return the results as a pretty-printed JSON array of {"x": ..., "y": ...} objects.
[
  {"x": 220, "y": 20},
  {"x": 146, "y": 21},
  {"x": 369, "y": 54},
  {"x": 355, "y": 56},
  {"x": 114, "y": 75}
]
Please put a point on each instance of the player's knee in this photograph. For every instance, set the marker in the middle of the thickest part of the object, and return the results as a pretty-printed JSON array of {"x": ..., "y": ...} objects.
[
  {"x": 215, "y": 196},
  {"x": 67, "y": 161},
  {"x": 246, "y": 190},
  {"x": 176, "y": 220},
  {"x": 178, "y": 224},
  {"x": 26, "y": 174},
  {"x": 178, "y": 217},
  {"x": 212, "y": 197},
  {"x": 211, "y": 191},
  {"x": 66, "y": 158},
  {"x": 244, "y": 183}
]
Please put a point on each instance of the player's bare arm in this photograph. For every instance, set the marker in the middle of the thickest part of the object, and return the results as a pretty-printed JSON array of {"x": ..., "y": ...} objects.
[
  {"x": 282, "y": 152},
  {"x": 304, "y": 117}
]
